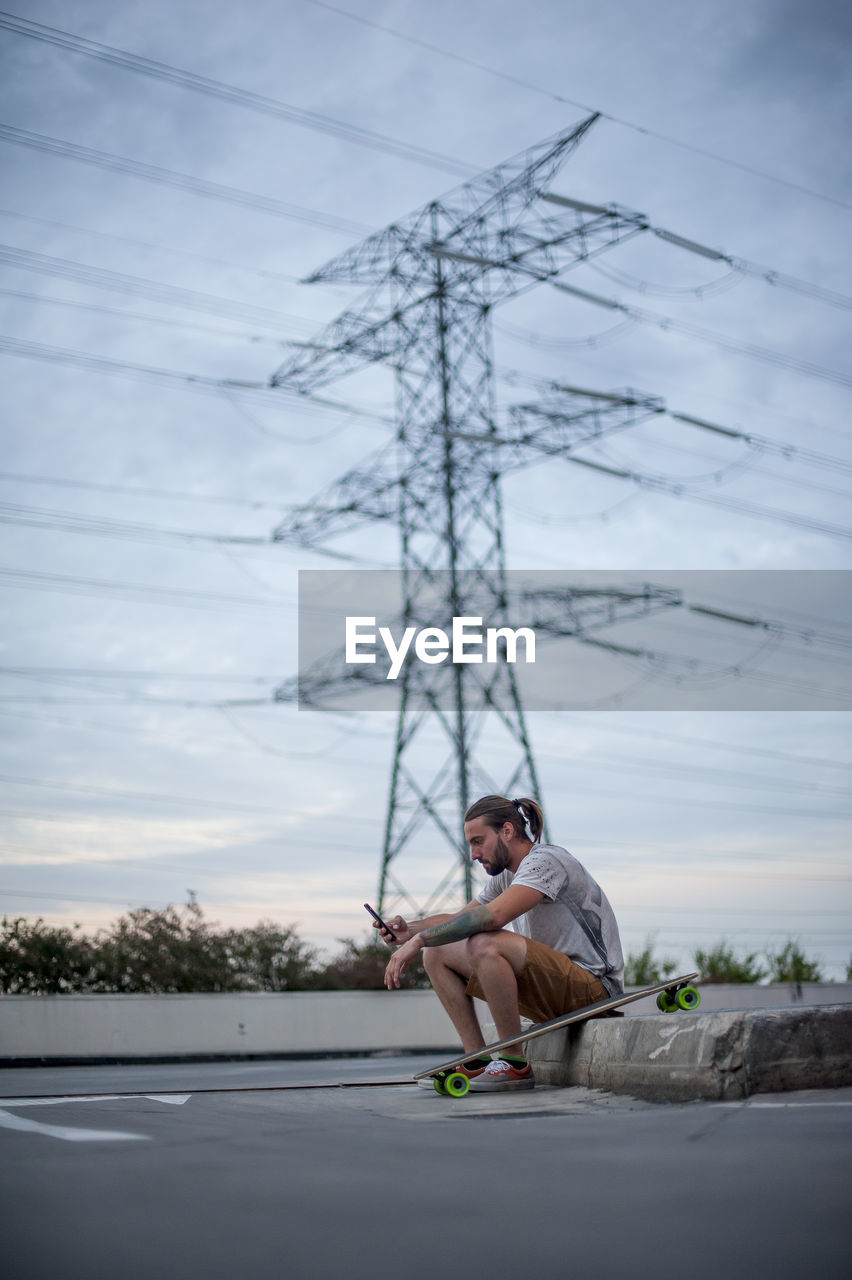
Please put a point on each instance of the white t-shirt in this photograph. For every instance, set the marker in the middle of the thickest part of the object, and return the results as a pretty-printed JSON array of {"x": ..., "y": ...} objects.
[{"x": 575, "y": 917}]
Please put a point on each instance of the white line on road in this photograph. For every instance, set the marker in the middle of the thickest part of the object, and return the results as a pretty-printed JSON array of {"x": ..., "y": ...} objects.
[
  {"x": 780, "y": 1106},
  {"x": 23, "y": 1125},
  {"x": 173, "y": 1099}
]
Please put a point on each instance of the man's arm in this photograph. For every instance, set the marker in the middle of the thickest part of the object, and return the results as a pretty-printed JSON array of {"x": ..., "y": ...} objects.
[
  {"x": 476, "y": 917},
  {"x": 406, "y": 929}
]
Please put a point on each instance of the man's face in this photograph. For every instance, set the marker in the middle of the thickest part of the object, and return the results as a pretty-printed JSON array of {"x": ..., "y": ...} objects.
[{"x": 487, "y": 846}]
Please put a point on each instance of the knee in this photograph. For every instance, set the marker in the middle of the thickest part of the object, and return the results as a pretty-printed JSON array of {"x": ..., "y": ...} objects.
[{"x": 481, "y": 946}]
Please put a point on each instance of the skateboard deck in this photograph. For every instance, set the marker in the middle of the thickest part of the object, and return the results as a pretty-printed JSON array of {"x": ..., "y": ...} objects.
[{"x": 672, "y": 994}]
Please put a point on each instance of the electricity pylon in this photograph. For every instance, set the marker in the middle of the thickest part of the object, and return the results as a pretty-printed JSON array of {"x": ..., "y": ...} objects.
[{"x": 437, "y": 276}]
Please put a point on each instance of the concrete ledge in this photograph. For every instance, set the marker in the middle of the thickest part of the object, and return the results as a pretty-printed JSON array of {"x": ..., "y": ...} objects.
[
  {"x": 125, "y": 1028},
  {"x": 684, "y": 1056}
]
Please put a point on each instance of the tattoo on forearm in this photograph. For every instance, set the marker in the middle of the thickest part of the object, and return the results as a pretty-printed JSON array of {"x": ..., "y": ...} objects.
[{"x": 464, "y": 925}]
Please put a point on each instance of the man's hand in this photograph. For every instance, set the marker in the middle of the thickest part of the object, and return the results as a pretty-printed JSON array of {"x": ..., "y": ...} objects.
[
  {"x": 400, "y": 960},
  {"x": 399, "y": 927}
]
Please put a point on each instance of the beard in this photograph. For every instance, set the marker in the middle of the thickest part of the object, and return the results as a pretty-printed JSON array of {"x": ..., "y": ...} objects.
[{"x": 500, "y": 859}]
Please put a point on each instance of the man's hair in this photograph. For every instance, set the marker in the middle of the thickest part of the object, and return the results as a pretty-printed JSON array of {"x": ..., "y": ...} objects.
[{"x": 495, "y": 810}]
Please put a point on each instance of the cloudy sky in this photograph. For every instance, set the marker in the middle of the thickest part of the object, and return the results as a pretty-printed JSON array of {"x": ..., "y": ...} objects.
[{"x": 155, "y": 227}]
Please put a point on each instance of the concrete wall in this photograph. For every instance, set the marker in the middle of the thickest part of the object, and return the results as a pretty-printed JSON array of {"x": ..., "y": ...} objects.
[
  {"x": 147, "y": 1026},
  {"x": 81, "y": 1027}
]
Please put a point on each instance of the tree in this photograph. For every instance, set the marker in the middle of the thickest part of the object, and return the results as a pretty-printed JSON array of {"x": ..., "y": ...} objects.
[
  {"x": 790, "y": 964},
  {"x": 719, "y": 964}
]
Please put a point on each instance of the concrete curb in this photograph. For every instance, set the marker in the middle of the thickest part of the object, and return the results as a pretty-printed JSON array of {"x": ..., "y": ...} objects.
[{"x": 684, "y": 1056}]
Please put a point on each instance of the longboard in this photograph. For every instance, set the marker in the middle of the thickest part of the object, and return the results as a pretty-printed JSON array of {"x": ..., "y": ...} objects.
[{"x": 672, "y": 995}]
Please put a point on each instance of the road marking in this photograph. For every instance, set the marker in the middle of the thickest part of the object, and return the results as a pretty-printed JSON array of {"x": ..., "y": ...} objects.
[
  {"x": 173, "y": 1099},
  {"x": 780, "y": 1106},
  {"x": 65, "y": 1133}
]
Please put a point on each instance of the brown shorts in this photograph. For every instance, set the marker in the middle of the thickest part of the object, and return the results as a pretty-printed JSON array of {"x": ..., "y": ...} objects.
[{"x": 549, "y": 984}]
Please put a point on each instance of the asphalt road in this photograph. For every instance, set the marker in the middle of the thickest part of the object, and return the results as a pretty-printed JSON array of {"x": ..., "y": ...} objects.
[{"x": 348, "y": 1183}]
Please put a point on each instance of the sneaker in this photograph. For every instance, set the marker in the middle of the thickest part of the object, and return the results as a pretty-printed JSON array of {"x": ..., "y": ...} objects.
[
  {"x": 471, "y": 1072},
  {"x": 500, "y": 1075}
]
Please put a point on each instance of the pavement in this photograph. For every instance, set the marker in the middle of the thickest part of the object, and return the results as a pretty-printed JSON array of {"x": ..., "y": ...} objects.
[{"x": 256, "y": 1169}]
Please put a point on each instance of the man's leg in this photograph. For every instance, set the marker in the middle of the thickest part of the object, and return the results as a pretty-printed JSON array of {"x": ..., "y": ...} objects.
[
  {"x": 449, "y": 968},
  {"x": 497, "y": 959}
]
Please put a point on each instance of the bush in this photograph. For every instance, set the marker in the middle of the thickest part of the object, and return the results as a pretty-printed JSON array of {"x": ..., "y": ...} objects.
[
  {"x": 721, "y": 965},
  {"x": 644, "y": 969},
  {"x": 360, "y": 966},
  {"x": 168, "y": 950},
  {"x": 790, "y": 964},
  {"x": 176, "y": 950},
  {"x": 268, "y": 957},
  {"x": 40, "y": 959}
]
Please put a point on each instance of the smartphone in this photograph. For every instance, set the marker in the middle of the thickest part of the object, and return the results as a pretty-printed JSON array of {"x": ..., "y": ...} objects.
[{"x": 381, "y": 922}]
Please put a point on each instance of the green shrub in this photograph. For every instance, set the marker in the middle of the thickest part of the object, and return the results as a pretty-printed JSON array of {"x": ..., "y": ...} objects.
[
  {"x": 360, "y": 966},
  {"x": 174, "y": 949},
  {"x": 719, "y": 964},
  {"x": 41, "y": 959},
  {"x": 790, "y": 964},
  {"x": 644, "y": 969}
]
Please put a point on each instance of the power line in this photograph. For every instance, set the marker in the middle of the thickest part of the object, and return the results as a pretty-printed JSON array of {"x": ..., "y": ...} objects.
[
  {"x": 143, "y": 492},
  {"x": 53, "y": 582},
  {"x": 99, "y": 673},
  {"x": 739, "y": 347},
  {"x": 71, "y": 522},
  {"x": 739, "y": 748},
  {"x": 764, "y": 444},
  {"x": 262, "y": 272},
  {"x": 751, "y": 509},
  {"x": 135, "y": 315},
  {"x": 721, "y": 777},
  {"x": 241, "y": 97},
  {"x": 183, "y": 181},
  {"x": 740, "y": 269},
  {"x": 523, "y": 378},
  {"x": 114, "y": 793},
  {"x": 268, "y": 394},
  {"x": 72, "y": 897},
  {"x": 571, "y": 102},
  {"x": 747, "y": 462},
  {"x": 53, "y": 784},
  {"x": 154, "y": 290}
]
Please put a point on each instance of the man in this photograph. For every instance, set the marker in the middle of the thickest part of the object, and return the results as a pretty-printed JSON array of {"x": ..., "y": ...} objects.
[{"x": 562, "y": 952}]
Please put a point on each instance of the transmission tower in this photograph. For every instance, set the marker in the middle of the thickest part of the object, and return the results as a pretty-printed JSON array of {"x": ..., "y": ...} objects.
[{"x": 436, "y": 277}]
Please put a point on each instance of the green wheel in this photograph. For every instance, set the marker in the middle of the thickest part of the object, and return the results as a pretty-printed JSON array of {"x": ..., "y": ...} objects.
[
  {"x": 666, "y": 1003},
  {"x": 457, "y": 1084},
  {"x": 688, "y": 998},
  {"x": 439, "y": 1085}
]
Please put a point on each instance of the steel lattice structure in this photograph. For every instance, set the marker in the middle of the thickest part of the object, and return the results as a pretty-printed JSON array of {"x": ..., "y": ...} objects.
[{"x": 437, "y": 276}]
